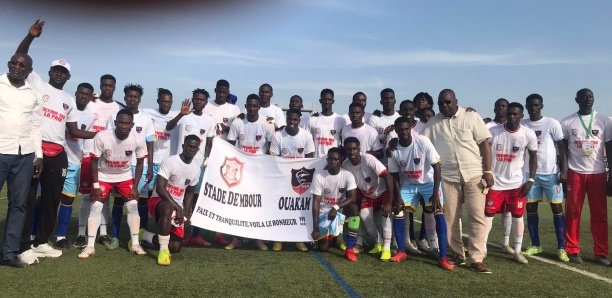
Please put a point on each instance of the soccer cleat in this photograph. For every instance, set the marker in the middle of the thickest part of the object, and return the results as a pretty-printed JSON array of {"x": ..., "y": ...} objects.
[
  {"x": 398, "y": 257},
  {"x": 87, "y": 252},
  {"x": 575, "y": 258},
  {"x": 519, "y": 258},
  {"x": 261, "y": 245},
  {"x": 422, "y": 245},
  {"x": 137, "y": 249},
  {"x": 197, "y": 240},
  {"x": 278, "y": 246},
  {"x": 341, "y": 246},
  {"x": 411, "y": 246},
  {"x": 445, "y": 264},
  {"x": 507, "y": 249},
  {"x": 301, "y": 246},
  {"x": 376, "y": 249},
  {"x": 63, "y": 244},
  {"x": 233, "y": 245},
  {"x": 46, "y": 251},
  {"x": 220, "y": 240},
  {"x": 81, "y": 241},
  {"x": 602, "y": 260},
  {"x": 563, "y": 255},
  {"x": 480, "y": 268},
  {"x": 164, "y": 257},
  {"x": 105, "y": 240},
  {"x": 533, "y": 250},
  {"x": 28, "y": 257},
  {"x": 385, "y": 255},
  {"x": 350, "y": 255}
]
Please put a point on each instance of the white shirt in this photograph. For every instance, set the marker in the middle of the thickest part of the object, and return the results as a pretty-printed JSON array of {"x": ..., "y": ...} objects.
[
  {"x": 74, "y": 145},
  {"x": 287, "y": 146},
  {"x": 57, "y": 109},
  {"x": 102, "y": 112},
  {"x": 548, "y": 131},
  {"x": 492, "y": 124},
  {"x": 417, "y": 128},
  {"x": 380, "y": 123},
  {"x": 368, "y": 175},
  {"x": 304, "y": 120},
  {"x": 366, "y": 117},
  {"x": 326, "y": 131},
  {"x": 414, "y": 163},
  {"x": 202, "y": 126},
  {"x": 163, "y": 137},
  {"x": 179, "y": 175},
  {"x": 508, "y": 151},
  {"x": 367, "y": 136},
  {"x": 20, "y": 118},
  {"x": 251, "y": 137},
  {"x": 143, "y": 127},
  {"x": 115, "y": 155},
  {"x": 279, "y": 117},
  {"x": 332, "y": 188},
  {"x": 576, "y": 135},
  {"x": 224, "y": 113}
]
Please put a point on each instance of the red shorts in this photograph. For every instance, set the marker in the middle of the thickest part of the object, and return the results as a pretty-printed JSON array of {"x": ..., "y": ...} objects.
[
  {"x": 124, "y": 188},
  {"x": 512, "y": 199},
  {"x": 152, "y": 208},
  {"x": 372, "y": 203},
  {"x": 85, "y": 179}
]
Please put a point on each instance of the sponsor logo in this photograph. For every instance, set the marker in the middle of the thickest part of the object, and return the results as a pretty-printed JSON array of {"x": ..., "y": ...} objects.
[
  {"x": 500, "y": 147},
  {"x": 285, "y": 151},
  {"x": 317, "y": 130},
  {"x": 403, "y": 163},
  {"x": 187, "y": 127},
  {"x": 45, "y": 98},
  {"x": 231, "y": 171},
  {"x": 108, "y": 152},
  {"x": 301, "y": 179},
  {"x": 326, "y": 191},
  {"x": 173, "y": 178}
]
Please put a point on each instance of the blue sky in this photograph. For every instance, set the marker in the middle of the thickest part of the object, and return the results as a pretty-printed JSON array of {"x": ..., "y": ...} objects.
[{"x": 483, "y": 50}]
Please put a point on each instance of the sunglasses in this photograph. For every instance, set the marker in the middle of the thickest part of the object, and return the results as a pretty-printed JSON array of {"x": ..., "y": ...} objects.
[{"x": 17, "y": 63}]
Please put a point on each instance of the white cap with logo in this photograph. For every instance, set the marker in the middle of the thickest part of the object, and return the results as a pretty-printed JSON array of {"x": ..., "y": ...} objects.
[{"x": 61, "y": 62}]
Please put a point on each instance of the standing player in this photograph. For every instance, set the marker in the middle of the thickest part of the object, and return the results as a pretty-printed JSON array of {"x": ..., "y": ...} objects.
[
  {"x": 271, "y": 113},
  {"x": 508, "y": 144},
  {"x": 296, "y": 103},
  {"x": 415, "y": 166},
  {"x": 362, "y": 100},
  {"x": 384, "y": 122},
  {"x": 585, "y": 133},
  {"x": 422, "y": 101},
  {"x": 221, "y": 109},
  {"x": 292, "y": 142},
  {"x": 375, "y": 189},
  {"x": 111, "y": 169},
  {"x": 501, "y": 111},
  {"x": 367, "y": 136},
  {"x": 548, "y": 176},
  {"x": 334, "y": 188},
  {"x": 171, "y": 203},
  {"x": 326, "y": 127},
  {"x": 195, "y": 122}
]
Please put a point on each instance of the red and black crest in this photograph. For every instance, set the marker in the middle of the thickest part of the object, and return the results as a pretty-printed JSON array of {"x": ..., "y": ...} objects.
[
  {"x": 515, "y": 149},
  {"x": 300, "y": 150},
  {"x": 187, "y": 181},
  {"x": 138, "y": 129},
  {"x": 258, "y": 137},
  {"x": 128, "y": 152},
  {"x": 83, "y": 127},
  {"x": 202, "y": 131},
  {"x": 301, "y": 179},
  {"x": 538, "y": 133},
  {"x": 367, "y": 179},
  {"x": 595, "y": 132},
  {"x": 66, "y": 106},
  {"x": 225, "y": 120},
  {"x": 417, "y": 161},
  {"x": 333, "y": 131},
  {"x": 172, "y": 178}
]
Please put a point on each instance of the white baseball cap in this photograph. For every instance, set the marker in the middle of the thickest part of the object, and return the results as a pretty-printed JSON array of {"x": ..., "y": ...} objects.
[{"x": 61, "y": 62}]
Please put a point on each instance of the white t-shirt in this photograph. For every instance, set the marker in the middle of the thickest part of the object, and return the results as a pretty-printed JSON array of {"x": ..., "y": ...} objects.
[
  {"x": 417, "y": 128},
  {"x": 368, "y": 175},
  {"x": 279, "y": 117},
  {"x": 367, "y": 136},
  {"x": 163, "y": 137},
  {"x": 287, "y": 146},
  {"x": 179, "y": 175},
  {"x": 326, "y": 131},
  {"x": 143, "y": 127},
  {"x": 380, "y": 123},
  {"x": 548, "y": 131},
  {"x": 414, "y": 163},
  {"x": 492, "y": 124},
  {"x": 251, "y": 137},
  {"x": 73, "y": 145},
  {"x": 202, "y": 126},
  {"x": 58, "y": 108},
  {"x": 575, "y": 133},
  {"x": 366, "y": 117},
  {"x": 304, "y": 120},
  {"x": 224, "y": 113},
  {"x": 115, "y": 155},
  {"x": 332, "y": 188},
  {"x": 101, "y": 112},
  {"x": 508, "y": 150}
]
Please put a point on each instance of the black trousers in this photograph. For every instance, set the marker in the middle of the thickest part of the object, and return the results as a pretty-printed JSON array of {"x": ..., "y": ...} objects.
[{"x": 51, "y": 182}]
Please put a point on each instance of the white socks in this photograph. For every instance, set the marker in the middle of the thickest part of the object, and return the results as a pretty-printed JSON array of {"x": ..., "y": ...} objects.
[
  {"x": 148, "y": 236},
  {"x": 387, "y": 233},
  {"x": 519, "y": 226},
  {"x": 84, "y": 214},
  {"x": 133, "y": 220},
  {"x": 163, "y": 241},
  {"x": 507, "y": 225},
  {"x": 488, "y": 227},
  {"x": 367, "y": 219},
  {"x": 93, "y": 222},
  {"x": 106, "y": 217},
  {"x": 430, "y": 229}
]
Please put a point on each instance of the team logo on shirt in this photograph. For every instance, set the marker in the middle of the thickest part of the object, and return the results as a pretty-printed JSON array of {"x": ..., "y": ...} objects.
[
  {"x": 108, "y": 152},
  {"x": 45, "y": 98},
  {"x": 187, "y": 127},
  {"x": 83, "y": 127},
  {"x": 595, "y": 132},
  {"x": 285, "y": 151},
  {"x": 317, "y": 130},
  {"x": 500, "y": 147},
  {"x": 515, "y": 149},
  {"x": 241, "y": 137},
  {"x": 326, "y": 191},
  {"x": 333, "y": 131},
  {"x": 66, "y": 106},
  {"x": 225, "y": 120},
  {"x": 574, "y": 132},
  {"x": 367, "y": 179},
  {"x": 138, "y": 129},
  {"x": 258, "y": 137},
  {"x": 187, "y": 181},
  {"x": 231, "y": 171},
  {"x": 417, "y": 161},
  {"x": 202, "y": 131},
  {"x": 173, "y": 178},
  {"x": 128, "y": 152},
  {"x": 300, "y": 150},
  {"x": 403, "y": 163},
  {"x": 538, "y": 133},
  {"x": 301, "y": 179}
]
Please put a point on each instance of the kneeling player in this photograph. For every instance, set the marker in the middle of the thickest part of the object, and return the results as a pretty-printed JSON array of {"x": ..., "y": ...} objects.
[
  {"x": 415, "y": 165},
  {"x": 170, "y": 205},
  {"x": 334, "y": 188},
  {"x": 111, "y": 169}
]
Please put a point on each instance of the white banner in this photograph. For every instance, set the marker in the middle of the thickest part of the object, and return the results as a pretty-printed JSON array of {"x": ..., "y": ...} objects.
[{"x": 260, "y": 197}]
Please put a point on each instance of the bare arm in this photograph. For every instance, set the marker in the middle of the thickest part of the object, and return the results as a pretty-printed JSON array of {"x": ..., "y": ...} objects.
[
  {"x": 562, "y": 151},
  {"x": 185, "y": 110},
  {"x": 533, "y": 165},
  {"x": 485, "y": 153},
  {"x": 316, "y": 206},
  {"x": 34, "y": 31},
  {"x": 75, "y": 132}
]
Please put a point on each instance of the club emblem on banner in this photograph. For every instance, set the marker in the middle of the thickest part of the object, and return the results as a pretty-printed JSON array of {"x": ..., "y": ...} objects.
[
  {"x": 301, "y": 179},
  {"x": 231, "y": 171}
]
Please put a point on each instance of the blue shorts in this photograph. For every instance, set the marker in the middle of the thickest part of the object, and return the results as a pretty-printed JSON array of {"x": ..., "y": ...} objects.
[
  {"x": 411, "y": 193},
  {"x": 154, "y": 179},
  {"x": 199, "y": 185},
  {"x": 143, "y": 186},
  {"x": 545, "y": 185},
  {"x": 71, "y": 184},
  {"x": 331, "y": 228}
]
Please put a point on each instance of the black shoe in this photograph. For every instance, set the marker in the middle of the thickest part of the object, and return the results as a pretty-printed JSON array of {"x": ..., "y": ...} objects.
[
  {"x": 456, "y": 260},
  {"x": 104, "y": 240},
  {"x": 63, "y": 244},
  {"x": 602, "y": 260},
  {"x": 480, "y": 268},
  {"x": 81, "y": 241},
  {"x": 575, "y": 258},
  {"x": 14, "y": 262}
]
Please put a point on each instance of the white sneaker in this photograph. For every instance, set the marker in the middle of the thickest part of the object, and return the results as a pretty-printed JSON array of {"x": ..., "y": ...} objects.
[
  {"x": 519, "y": 258},
  {"x": 45, "y": 250},
  {"x": 28, "y": 257},
  {"x": 411, "y": 247},
  {"x": 423, "y": 245},
  {"x": 87, "y": 252},
  {"x": 507, "y": 249},
  {"x": 137, "y": 249}
]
